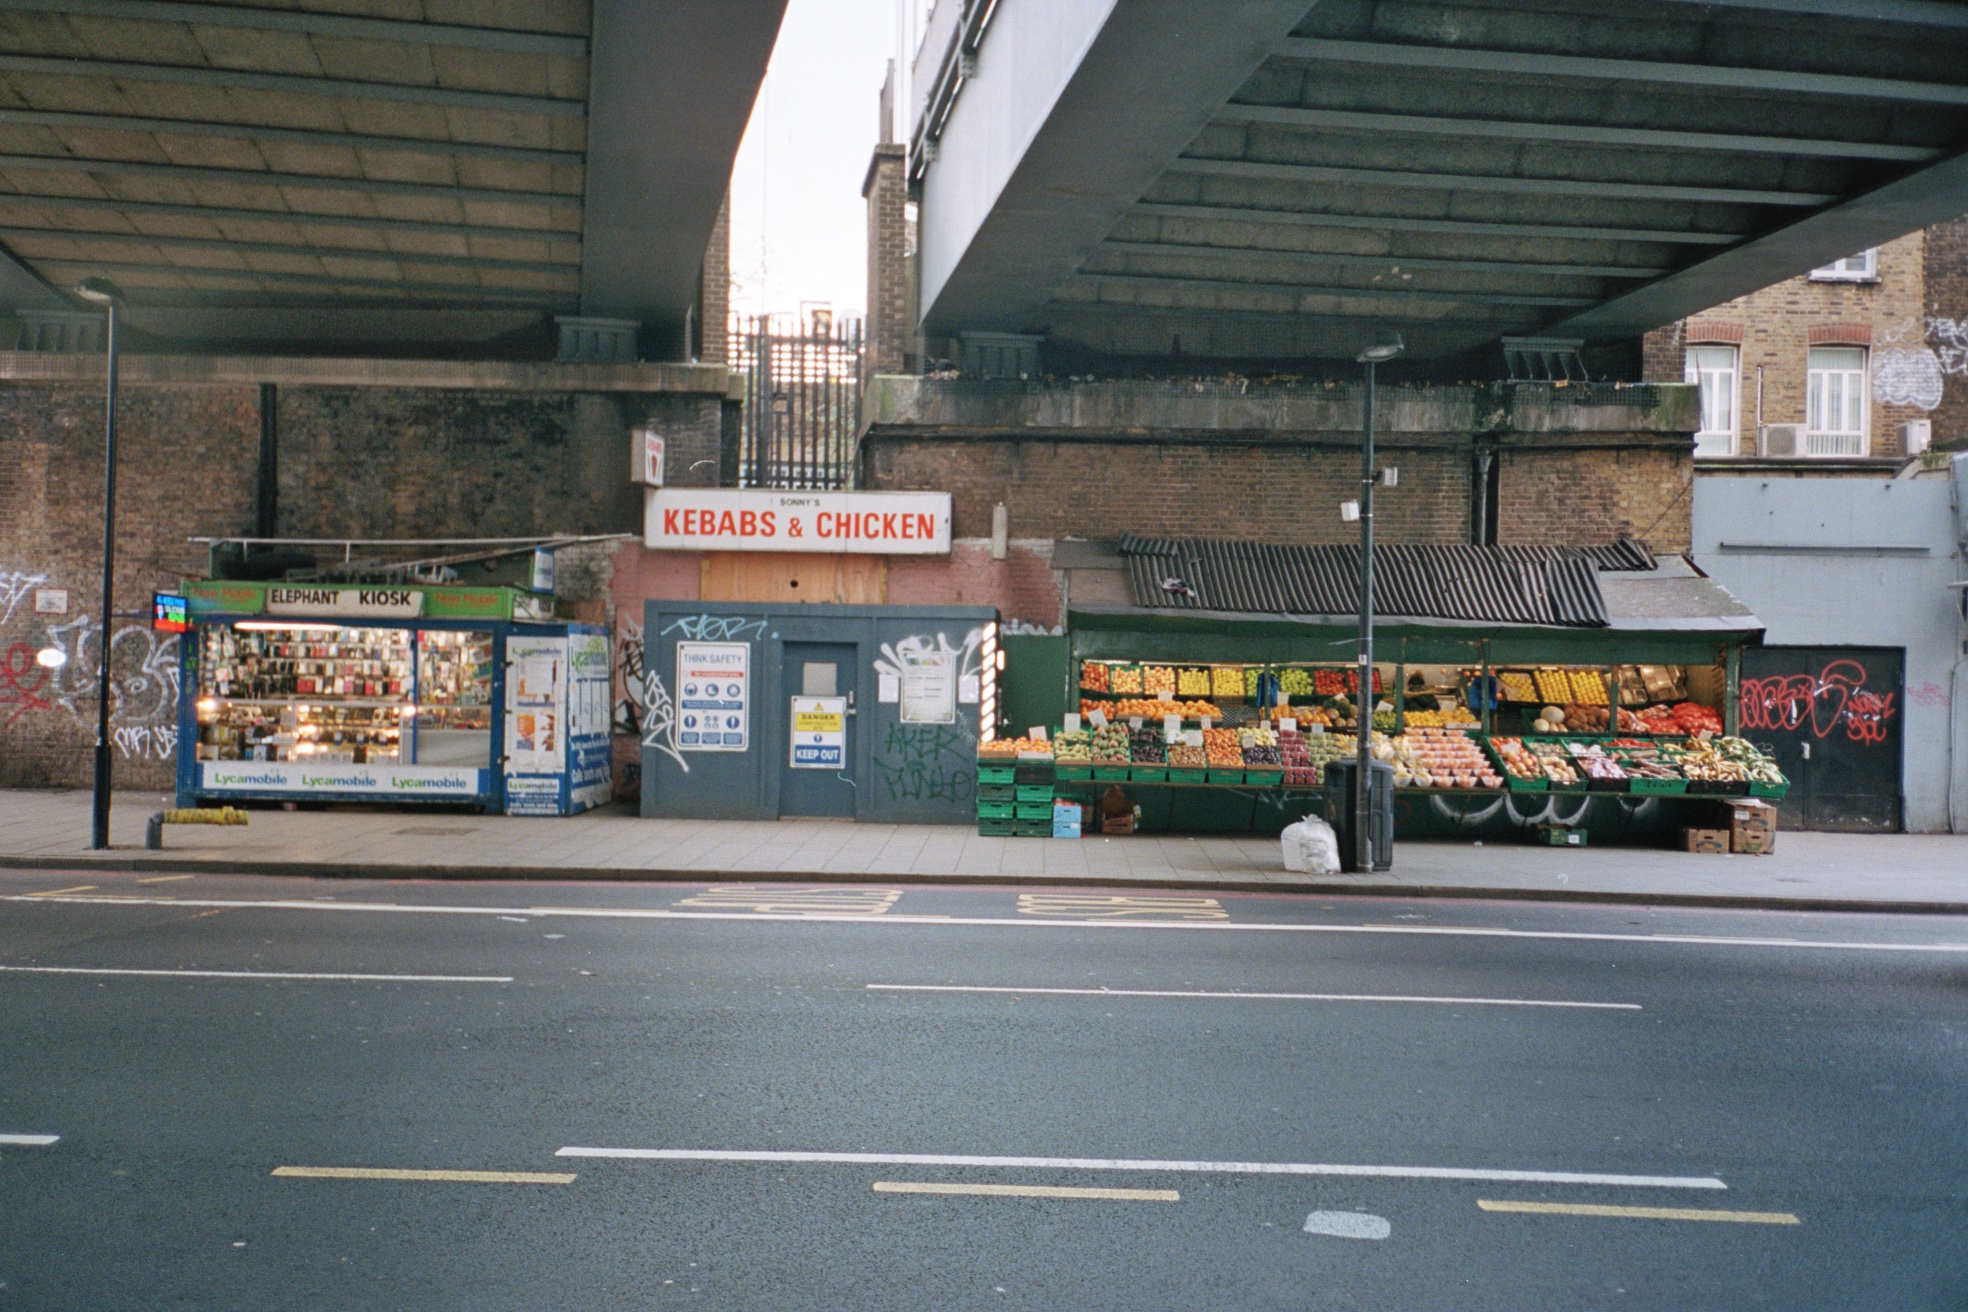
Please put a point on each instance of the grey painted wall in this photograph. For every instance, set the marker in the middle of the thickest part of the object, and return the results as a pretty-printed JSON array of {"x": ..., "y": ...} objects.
[
  {"x": 1864, "y": 562},
  {"x": 908, "y": 773}
]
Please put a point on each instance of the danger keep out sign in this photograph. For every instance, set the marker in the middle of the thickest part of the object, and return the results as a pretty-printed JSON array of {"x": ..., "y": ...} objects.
[{"x": 746, "y": 519}]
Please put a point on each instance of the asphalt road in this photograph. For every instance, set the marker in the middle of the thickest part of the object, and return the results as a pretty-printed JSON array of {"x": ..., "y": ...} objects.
[{"x": 1780, "y": 1097}]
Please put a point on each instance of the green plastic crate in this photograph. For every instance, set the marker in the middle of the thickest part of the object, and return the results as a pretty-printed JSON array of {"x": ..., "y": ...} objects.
[
  {"x": 1263, "y": 778},
  {"x": 996, "y": 828},
  {"x": 1657, "y": 787},
  {"x": 1035, "y": 828},
  {"x": 996, "y": 774},
  {"x": 1034, "y": 792},
  {"x": 997, "y": 792},
  {"x": 1224, "y": 776},
  {"x": 1516, "y": 785},
  {"x": 1072, "y": 772},
  {"x": 1768, "y": 790},
  {"x": 1148, "y": 774},
  {"x": 995, "y": 810},
  {"x": 1187, "y": 774},
  {"x": 1112, "y": 773},
  {"x": 1035, "y": 811}
]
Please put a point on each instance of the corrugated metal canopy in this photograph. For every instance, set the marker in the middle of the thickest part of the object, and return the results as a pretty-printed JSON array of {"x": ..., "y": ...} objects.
[{"x": 1555, "y": 586}]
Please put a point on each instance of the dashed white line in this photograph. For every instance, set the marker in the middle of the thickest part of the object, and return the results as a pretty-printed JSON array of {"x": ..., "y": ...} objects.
[
  {"x": 257, "y": 974},
  {"x": 1157, "y": 1164},
  {"x": 1006, "y": 922},
  {"x": 1253, "y": 997},
  {"x": 29, "y": 1140}
]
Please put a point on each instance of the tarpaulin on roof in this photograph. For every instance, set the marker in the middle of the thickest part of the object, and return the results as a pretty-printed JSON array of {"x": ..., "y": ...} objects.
[{"x": 1556, "y": 586}]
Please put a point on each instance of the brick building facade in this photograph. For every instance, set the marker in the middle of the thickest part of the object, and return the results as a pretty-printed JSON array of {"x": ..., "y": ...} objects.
[{"x": 1874, "y": 334}]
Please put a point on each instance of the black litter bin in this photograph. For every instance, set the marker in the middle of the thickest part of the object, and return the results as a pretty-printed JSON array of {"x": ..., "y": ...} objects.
[{"x": 1340, "y": 802}]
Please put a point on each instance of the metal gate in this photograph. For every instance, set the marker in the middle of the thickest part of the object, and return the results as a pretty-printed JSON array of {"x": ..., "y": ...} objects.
[
  {"x": 802, "y": 407},
  {"x": 1831, "y": 717}
]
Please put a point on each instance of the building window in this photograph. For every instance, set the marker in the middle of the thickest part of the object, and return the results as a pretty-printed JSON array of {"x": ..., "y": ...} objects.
[
  {"x": 1863, "y": 267},
  {"x": 1713, "y": 370},
  {"x": 1835, "y": 402}
]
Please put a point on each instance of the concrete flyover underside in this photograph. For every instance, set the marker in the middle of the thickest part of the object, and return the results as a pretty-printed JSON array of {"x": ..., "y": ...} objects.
[
  {"x": 1276, "y": 180},
  {"x": 370, "y": 172}
]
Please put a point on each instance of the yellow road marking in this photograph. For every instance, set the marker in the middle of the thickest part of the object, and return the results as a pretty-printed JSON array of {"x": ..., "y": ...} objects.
[
  {"x": 1029, "y": 1191},
  {"x": 162, "y": 879},
  {"x": 1112, "y": 908},
  {"x": 1640, "y": 1213},
  {"x": 796, "y": 901},
  {"x": 57, "y": 892},
  {"x": 382, "y": 1173}
]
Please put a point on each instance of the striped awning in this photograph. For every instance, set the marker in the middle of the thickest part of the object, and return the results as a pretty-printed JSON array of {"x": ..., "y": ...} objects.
[{"x": 1556, "y": 586}]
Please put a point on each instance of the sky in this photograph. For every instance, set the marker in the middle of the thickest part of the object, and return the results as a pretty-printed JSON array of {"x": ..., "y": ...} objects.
[{"x": 798, "y": 225}]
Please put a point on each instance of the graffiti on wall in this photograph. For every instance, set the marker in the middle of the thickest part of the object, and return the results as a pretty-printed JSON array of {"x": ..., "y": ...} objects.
[
  {"x": 1833, "y": 699},
  {"x": 143, "y": 710},
  {"x": 716, "y": 628},
  {"x": 14, "y": 587},
  {"x": 628, "y": 679},
  {"x": 1950, "y": 339},
  {"x": 930, "y": 762},
  {"x": 659, "y": 720}
]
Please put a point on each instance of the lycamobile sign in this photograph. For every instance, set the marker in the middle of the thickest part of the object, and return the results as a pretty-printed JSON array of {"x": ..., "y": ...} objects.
[
  {"x": 354, "y": 603},
  {"x": 291, "y": 777}
]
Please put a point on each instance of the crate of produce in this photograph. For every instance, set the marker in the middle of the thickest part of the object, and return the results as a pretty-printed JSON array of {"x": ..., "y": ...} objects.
[
  {"x": 1758, "y": 788},
  {"x": 1188, "y": 774},
  {"x": 1264, "y": 776},
  {"x": 1217, "y": 774},
  {"x": 995, "y": 810},
  {"x": 996, "y": 774},
  {"x": 1072, "y": 772},
  {"x": 1034, "y": 810},
  {"x": 1718, "y": 788},
  {"x": 997, "y": 792},
  {"x": 1034, "y": 774},
  {"x": 1148, "y": 774},
  {"x": 1642, "y": 787},
  {"x": 1034, "y": 792},
  {"x": 1112, "y": 771},
  {"x": 1035, "y": 828},
  {"x": 1519, "y": 784},
  {"x": 996, "y": 828}
]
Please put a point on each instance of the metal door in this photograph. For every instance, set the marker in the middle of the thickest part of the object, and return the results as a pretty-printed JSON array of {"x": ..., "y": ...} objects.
[
  {"x": 1831, "y": 717},
  {"x": 826, "y": 671}
]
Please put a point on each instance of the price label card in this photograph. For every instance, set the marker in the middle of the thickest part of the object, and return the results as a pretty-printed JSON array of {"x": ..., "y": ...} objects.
[
  {"x": 1319, "y": 729},
  {"x": 1289, "y": 722},
  {"x": 1072, "y": 722},
  {"x": 1172, "y": 728},
  {"x": 1164, "y": 696},
  {"x": 1098, "y": 719},
  {"x": 1193, "y": 737},
  {"x": 1247, "y": 739},
  {"x": 1134, "y": 722},
  {"x": 1206, "y": 722},
  {"x": 1036, "y": 733}
]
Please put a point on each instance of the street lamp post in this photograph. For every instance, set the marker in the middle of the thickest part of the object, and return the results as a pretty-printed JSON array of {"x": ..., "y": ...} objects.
[
  {"x": 1378, "y": 353},
  {"x": 103, "y": 292}
]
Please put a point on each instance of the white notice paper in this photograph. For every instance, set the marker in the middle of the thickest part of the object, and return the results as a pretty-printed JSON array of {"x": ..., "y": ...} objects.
[
  {"x": 929, "y": 690},
  {"x": 888, "y": 687}
]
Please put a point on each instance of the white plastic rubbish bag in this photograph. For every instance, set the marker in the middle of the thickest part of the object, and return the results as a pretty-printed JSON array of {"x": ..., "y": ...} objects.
[{"x": 1310, "y": 847}]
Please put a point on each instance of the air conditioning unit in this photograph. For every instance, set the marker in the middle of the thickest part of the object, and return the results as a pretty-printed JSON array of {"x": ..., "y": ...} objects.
[{"x": 1780, "y": 440}]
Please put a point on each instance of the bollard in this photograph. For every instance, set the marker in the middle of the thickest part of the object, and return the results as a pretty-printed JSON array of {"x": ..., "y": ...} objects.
[{"x": 202, "y": 815}]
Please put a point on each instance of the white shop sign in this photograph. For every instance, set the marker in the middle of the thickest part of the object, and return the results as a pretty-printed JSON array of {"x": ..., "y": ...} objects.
[
  {"x": 354, "y": 603},
  {"x": 749, "y": 519},
  {"x": 298, "y": 777}
]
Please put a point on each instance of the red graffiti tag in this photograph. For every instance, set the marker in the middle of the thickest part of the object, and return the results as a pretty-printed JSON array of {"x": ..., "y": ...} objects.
[
  {"x": 20, "y": 663},
  {"x": 1832, "y": 697}
]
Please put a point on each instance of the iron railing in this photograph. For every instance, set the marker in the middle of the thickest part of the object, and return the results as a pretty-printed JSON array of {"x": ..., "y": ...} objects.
[{"x": 802, "y": 407}]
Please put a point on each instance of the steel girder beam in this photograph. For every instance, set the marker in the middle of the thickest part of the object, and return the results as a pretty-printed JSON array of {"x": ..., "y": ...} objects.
[
  {"x": 1515, "y": 130},
  {"x": 1520, "y": 63},
  {"x": 297, "y": 181},
  {"x": 660, "y": 149},
  {"x": 175, "y": 127},
  {"x": 1233, "y": 168},
  {"x": 505, "y": 40},
  {"x": 11, "y": 232},
  {"x": 1315, "y": 259},
  {"x": 1073, "y": 111},
  {"x": 222, "y": 214},
  {"x": 1150, "y": 281},
  {"x": 1447, "y": 227},
  {"x": 292, "y": 83}
]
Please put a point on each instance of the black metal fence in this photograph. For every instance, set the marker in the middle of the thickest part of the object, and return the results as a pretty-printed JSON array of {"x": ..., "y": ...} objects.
[{"x": 802, "y": 401}]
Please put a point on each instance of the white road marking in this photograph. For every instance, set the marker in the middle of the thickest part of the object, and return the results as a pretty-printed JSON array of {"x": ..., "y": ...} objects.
[
  {"x": 1254, "y": 997},
  {"x": 257, "y": 974},
  {"x": 30, "y": 1140},
  {"x": 1348, "y": 1225},
  {"x": 1028, "y": 1191},
  {"x": 1153, "y": 1164},
  {"x": 1005, "y": 922}
]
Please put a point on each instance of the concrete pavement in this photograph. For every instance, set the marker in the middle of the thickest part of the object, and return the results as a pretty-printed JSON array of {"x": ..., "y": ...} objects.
[
  {"x": 1912, "y": 873},
  {"x": 544, "y": 1100}
]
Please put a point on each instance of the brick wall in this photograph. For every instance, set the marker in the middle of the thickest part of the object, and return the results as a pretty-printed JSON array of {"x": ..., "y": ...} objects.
[
  {"x": 714, "y": 291},
  {"x": 1946, "y": 252},
  {"x": 355, "y": 461},
  {"x": 1553, "y": 497},
  {"x": 890, "y": 330},
  {"x": 185, "y": 467}
]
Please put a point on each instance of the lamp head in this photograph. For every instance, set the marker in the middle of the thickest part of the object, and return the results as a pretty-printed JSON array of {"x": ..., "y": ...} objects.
[
  {"x": 99, "y": 291},
  {"x": 1383, "y": 350}
]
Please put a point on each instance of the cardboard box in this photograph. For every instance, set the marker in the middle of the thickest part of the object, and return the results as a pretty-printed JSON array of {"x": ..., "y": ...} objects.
[
  {"x": 1708, "y": 842},
  {"x": 1752, "y": 827}
]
